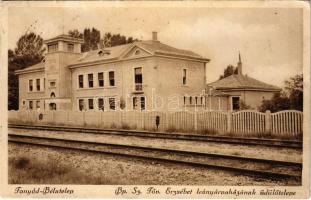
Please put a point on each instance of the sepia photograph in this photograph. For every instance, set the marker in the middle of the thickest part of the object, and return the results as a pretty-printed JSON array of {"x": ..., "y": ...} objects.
[{"x": 157, "y": 95}]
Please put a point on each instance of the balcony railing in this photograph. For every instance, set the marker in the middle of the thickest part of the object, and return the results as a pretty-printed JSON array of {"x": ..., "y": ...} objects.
[{"x": 138, "y": 88}]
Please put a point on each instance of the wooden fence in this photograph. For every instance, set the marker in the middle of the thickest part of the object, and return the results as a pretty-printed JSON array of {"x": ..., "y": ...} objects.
[{"x": 246, "y": 121}]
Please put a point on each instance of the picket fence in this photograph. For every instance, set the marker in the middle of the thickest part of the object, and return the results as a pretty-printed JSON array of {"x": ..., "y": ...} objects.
[{"x": 246, "y": 121}]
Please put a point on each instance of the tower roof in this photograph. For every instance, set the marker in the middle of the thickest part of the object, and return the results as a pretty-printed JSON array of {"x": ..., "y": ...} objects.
[{"x": 64, "y": 37}]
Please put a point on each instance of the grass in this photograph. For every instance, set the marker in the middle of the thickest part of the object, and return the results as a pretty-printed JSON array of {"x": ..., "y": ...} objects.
[{"x": 25, "y": 170}]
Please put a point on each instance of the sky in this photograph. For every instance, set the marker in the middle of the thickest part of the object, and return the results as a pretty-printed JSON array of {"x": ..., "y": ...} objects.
[{"x": 270, "y": 40}]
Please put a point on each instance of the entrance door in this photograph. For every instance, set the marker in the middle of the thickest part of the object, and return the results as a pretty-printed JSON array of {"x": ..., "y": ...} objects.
[{"x": 235, "y": 103}]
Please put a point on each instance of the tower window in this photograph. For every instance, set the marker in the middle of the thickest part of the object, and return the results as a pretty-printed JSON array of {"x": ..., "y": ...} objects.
[
  {"x": 52, "y": 47},
  {"x": 184, "y": 76},
  {"x": 70, "y": 47}
]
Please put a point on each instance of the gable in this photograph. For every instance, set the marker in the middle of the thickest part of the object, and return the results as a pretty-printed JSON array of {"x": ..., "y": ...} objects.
[{"x": 136, "y": 52}]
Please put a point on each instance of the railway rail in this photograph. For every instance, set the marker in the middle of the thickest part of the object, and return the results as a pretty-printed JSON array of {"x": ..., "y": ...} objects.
[
  {"x": 271, "y": 169},
  {"x": 277, "y": 143}
]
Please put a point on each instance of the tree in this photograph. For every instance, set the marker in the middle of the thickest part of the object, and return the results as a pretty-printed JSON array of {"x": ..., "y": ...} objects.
[
  {"x": 294, "y": 90},
  {"x": 229, "y": 71},
  {"x": 290, "y": 98},
  {"x": 29, "y": 51},
  {"x": 93, "y": 41},
  {"x": 75, "y": 33},
  {"x": 278, "y": 102}
]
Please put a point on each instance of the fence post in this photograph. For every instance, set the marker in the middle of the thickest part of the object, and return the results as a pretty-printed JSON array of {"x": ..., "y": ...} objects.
[
  {"x": 83, "y": 116},
  {"x": 100, "y": 119},
  {"x": 167, "y": 115},
  {"x": 229, "y": 120},
  {"x": 268, "y": 121},
  {"x": 53, "y": 122},
  {"x": 195, "y": 121}
]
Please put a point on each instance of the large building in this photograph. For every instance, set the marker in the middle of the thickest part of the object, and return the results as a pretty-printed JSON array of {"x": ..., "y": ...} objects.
[
  {"x": 238, "y": 91},
  {"x": 144, "y": 75}
]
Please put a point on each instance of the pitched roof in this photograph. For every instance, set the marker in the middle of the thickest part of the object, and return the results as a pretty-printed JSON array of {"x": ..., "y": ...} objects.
[
  {"x": 36, "y": 67},
  {"x": 153, "y": 47},
  {"x": 240, "y": 81}
]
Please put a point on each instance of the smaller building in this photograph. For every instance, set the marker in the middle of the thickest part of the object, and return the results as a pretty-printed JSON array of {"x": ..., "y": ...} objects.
[{"x": 238, "y": 91}]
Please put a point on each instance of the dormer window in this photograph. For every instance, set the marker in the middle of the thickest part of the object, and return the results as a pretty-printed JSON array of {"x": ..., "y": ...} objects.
[
  {"x": 70, "y": 47},
  {"x": 52, "y": 47},
  {"x": 103, "y": 53}
]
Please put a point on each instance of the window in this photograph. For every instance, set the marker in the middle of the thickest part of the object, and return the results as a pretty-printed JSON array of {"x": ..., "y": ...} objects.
[
  {"x": 52, "y": 47},
  {"x": 190, "y": 100},
  {"x": 196, "y": 100},
  {"x": 81, "y": 104},
  {"x": 201, "y": 100},
  {"x": 101, "y": 104},
  {"x": 30, "y": 85},
  {"x": 101, "y": 79},
  {"x": 138, "y": 78},
  {"x": 43, "y": 83},
  {"x": 137, "y": 52},
  {"x": 80, "y": 81},
  {"x": 38, "y": 84},
  {"x": 142, "y": 103},
  {"x": 111, "y": 78},
  {"x": 52, "y": 84},
  {"x": 235, "y": 103},
  {"x": 184, "y": 76},
  {"x": 30, "y": 105},
  {"x": 52, "y": 95},
  {"x": 112, "y": 104},
  {"x": 52, "y": 106},
  {"x": 38, "y": 104},
  {"x": 184, "y": 100},
  {"x": 135, "y": 103},
  {"x": 24, "y": 102},
  {"x": 90, "y": 79},
  {"x": 70, "y": 47},
  {"x": 91, "y": 104}
]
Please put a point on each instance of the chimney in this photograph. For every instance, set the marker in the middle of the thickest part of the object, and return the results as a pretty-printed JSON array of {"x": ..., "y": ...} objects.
[
  {"x": 240, "y": 65},
  {"x": 154, "y": 36}
]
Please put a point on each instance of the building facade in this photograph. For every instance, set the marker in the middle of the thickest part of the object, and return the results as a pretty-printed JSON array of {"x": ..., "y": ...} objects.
[{"x": 144, "y": 75}]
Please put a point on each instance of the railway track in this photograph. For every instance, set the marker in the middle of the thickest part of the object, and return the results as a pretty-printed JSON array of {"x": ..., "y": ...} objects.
[
  {"x": 263, "y": 168},
  {"x": 176, "y": 136}
]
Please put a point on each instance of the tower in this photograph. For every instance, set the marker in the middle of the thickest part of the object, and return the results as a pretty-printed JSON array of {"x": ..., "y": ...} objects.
[
  {"x": 61, "y": 51},
  {"x": 239, "y": 65}
]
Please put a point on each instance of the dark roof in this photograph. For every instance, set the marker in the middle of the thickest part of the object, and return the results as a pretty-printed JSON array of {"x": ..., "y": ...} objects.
[{"x": 239, "y": 81}]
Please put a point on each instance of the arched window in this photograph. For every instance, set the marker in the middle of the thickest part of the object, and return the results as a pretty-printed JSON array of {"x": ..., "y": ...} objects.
[{"x": 52, "y": 95}]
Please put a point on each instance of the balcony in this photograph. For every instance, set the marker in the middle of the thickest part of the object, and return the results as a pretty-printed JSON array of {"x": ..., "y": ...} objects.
[{"x": 138, "y": 88}]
